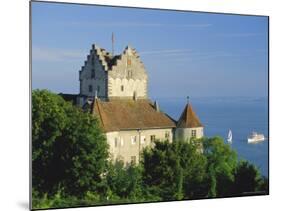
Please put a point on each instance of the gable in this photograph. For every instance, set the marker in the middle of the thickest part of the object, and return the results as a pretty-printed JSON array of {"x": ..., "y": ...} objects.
[
  {"x": 129, "y": 66},
  {"x": 96, "y": 60}
]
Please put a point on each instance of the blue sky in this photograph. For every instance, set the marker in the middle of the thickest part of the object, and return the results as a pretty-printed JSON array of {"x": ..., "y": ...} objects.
[{"x": 185, "y": 53}]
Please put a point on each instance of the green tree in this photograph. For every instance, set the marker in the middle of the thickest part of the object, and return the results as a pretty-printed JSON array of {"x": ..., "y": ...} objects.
[
  {"x": 248, "y": 179},
  {"x": 161, "y": 165},
  {"x": 221, "y": 164},
  {"x": 194, "y": 165},
  {"x": 69, "y": 150},
  {"x": 123, "y": 182},
  {"x": 172, "y": 171}
]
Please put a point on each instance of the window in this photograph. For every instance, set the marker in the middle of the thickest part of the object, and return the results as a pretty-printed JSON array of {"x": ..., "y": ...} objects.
[
  {"x": 116, "y": 142},
  {"x": 122, "y": 88},
  {"x": 90, "y": 88},
  {"x": 152, "y": 138},
  {"x": 133, "y": 159},
  {"x": 133, "y": 139},
  {"x": 121, "y": 141},
  {"x": 98, "y": 88},
  {"x": 193, "y": 133},
  {"x": 143, "y": 140},
  {"x": 129, "y": 62},
  {"x": 80, "y": 87},
  {"x": 129, "y": 73},
  {"x": 93, "y": 74},
  {"x": 93, "y": 60},
  {"x": 167, "y": 135}
]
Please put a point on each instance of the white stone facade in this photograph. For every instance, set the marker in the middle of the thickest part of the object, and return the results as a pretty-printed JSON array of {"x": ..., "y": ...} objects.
[
  {"x": 128, "y": 145},
  {"x": 188, "y": 133},
  {"x": 123, "y": 76}
]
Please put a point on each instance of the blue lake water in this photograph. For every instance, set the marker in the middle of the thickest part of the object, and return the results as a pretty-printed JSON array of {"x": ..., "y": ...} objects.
[{"x": 240, "y": 114}]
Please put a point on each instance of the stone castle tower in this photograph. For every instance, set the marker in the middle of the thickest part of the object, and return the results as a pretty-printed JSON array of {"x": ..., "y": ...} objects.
[{"x": 109, "y": 77}]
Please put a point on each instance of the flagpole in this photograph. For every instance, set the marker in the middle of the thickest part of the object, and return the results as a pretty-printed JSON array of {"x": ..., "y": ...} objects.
[{"x": 112, "y": 39}]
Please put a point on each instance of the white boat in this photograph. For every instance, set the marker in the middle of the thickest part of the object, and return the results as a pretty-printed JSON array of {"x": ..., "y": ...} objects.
[
  {"x": 229, "y": 137},
  {"x": 255, "y": 137}
]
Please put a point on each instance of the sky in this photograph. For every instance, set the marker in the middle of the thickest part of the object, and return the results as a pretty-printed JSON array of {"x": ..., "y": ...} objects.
[{"x": 185, "y": 53}]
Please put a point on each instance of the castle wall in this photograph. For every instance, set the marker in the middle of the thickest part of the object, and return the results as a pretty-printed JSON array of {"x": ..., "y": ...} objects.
[
  {"x": 123, "y": 147},
  {"x": 127, "y": 77},
  {"x": 127, "y": 87},
  {"x": 186, "y": 133}
]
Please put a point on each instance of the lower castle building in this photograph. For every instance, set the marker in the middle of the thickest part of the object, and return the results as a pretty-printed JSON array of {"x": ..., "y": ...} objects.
[{"x": 114, "y": 89}]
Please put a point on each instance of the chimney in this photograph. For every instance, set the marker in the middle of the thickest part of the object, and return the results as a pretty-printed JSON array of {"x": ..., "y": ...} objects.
[{"x": 156, "y": 106}]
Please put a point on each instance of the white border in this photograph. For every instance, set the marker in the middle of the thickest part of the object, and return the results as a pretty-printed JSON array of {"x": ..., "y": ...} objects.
[{"x": 14, "y": 88}]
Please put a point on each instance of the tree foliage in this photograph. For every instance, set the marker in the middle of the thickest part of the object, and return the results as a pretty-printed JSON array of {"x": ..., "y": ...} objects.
[
  {"x": 171, "y": 169},
  {"x": 69, "y": 151},
  {"x": 221, "y": 163},
  {"x": 124, "y": 182},
  {"x": 248, "y": 179},
  {"x": 70, "y": 164}
]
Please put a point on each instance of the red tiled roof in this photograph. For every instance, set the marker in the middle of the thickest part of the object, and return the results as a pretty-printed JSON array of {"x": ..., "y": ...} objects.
[
  {"x": 129, "y": 114},
  {"x": 188, "y": 118}
]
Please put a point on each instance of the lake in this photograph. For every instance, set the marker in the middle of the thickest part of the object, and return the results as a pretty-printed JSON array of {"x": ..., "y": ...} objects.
[{"x": 240, "y": 114}]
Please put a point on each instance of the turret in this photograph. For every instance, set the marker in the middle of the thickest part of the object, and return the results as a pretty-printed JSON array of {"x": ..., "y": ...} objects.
[{"x": 188, "y": 125}]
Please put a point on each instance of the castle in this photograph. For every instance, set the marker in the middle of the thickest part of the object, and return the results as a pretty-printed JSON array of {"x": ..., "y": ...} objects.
[{"x": 114, "y": 88}]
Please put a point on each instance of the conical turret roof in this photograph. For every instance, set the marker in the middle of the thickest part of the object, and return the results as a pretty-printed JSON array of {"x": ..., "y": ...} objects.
[{"x": 188, "y": 118}]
